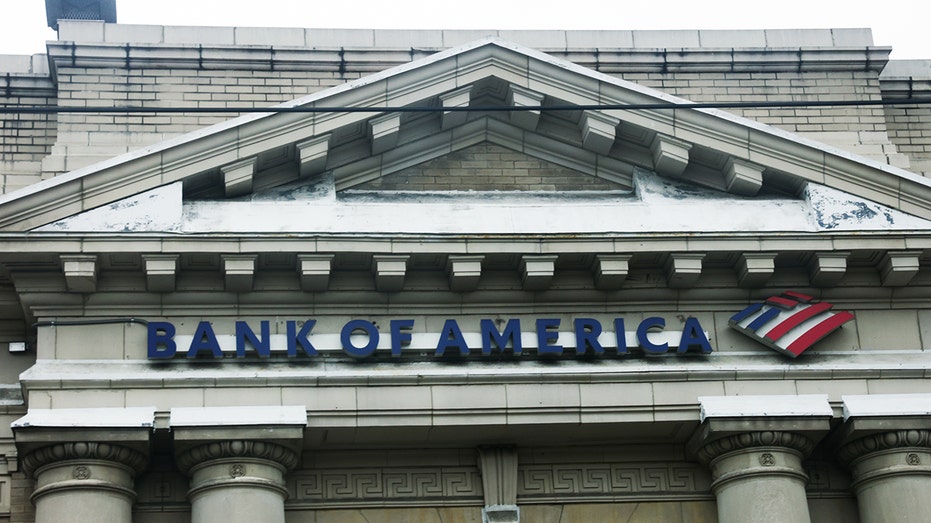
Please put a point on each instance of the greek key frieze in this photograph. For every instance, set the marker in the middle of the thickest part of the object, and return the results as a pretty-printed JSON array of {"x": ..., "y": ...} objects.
[
  {"x": 385, "y": 485},
  {"x": 599, "y": 480}
]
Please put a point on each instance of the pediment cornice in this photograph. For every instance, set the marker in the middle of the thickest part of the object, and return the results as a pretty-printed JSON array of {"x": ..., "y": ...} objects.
[{"x": 352, "y": 138}]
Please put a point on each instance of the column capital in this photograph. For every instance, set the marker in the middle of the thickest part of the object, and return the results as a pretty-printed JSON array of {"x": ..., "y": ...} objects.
[
  {"x": 759, "y": 439},
  {"x": 83, "y": 450},
  {"x": 249, "y": 449}
]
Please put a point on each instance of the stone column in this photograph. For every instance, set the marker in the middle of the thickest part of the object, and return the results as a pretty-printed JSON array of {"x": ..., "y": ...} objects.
[
  {"x": 891, "y": 474},
  {"x": 886, "y": 443},
  {"x": 758, "y": 476},
  {"x": 238, "y": 481},
  {"x": 236, "y": 458},
  {"x": 754, "y": 446},
  {"x": 84, "y": 481}
]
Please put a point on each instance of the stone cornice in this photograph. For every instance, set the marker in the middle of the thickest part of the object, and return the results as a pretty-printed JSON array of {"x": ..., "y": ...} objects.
[
  {"x": 237, "y": 449},
  {"x": 747, "y": 440},
  {"x": 367, "y": 60},
  {"x": 896, "y": 439},
  {"x": 83, "y": 450}
]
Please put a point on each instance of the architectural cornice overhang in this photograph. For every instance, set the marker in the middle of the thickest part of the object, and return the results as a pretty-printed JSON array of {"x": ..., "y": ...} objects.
[
  {"x": 766, "y": 149},
  {"x": 18, "y": 245},
  {"x": 372, "y": 59}
]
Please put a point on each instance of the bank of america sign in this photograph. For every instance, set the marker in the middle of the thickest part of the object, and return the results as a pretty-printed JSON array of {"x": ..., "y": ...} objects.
[{"x": 789, "y": 323}]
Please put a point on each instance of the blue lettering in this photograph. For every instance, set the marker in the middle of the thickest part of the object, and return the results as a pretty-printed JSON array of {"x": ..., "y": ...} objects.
[
  {"x": 451, "y": 337},
  {"x": 545, "y": 336},
  {"x": 263, "y": 347},
  {"x": 644, "y": 340},
  {"x": 160, "y": 343},
  {"x": 346, "y": 338},
  {"x": 400, "y": 335},
  {"x": 621, "y": 335},
  {"x": 299, "y": 338},
  {"x": 694, "y": 336},
  {"x": 491, "y": 337},
  {"x": 204, "y": 339},
  {"x": 587, "y": 331}
]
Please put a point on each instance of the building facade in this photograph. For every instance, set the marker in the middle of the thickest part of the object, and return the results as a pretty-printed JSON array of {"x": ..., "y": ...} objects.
[{"x": 464, "y": 276}]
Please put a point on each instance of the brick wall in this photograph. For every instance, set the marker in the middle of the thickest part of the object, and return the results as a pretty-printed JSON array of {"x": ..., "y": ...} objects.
[
  {"x": 87, "y": 138},
  {"x": 910, "y": 130},
  {"x": 488, "y": 167},
  {"x": 24, "y": 138}
]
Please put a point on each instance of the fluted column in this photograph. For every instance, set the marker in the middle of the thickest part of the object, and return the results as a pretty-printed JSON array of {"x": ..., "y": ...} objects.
[
  {"x": 758, "y": 476},
  {"x": 84, "y": 481},
  {"x": 891, "y": 474},
  {"x": 238, "y": 481}
]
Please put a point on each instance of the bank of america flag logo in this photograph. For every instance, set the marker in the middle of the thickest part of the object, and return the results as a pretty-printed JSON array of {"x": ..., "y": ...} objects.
[{"x": 789, "y": 323}]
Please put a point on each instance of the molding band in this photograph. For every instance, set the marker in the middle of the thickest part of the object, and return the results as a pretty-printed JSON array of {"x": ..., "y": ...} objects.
[
  {"x": 237, "y": 449},
  {"x": 82, "y": 451}
]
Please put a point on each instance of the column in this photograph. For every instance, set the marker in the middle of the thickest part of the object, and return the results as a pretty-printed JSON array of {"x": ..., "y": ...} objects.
[
  {"x": 754, "y": 446},
  {"x": 237, "y": 458},
  {"x": 84, "y": 481},
  {"x": 84, "y": 461},
  {"x": 886, "y": 444},
  {"x": 237, "y": 481},
  {"x": 758, "y": 476}
]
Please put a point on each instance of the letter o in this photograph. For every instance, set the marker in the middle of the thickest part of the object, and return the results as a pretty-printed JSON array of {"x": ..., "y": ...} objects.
[{"x": 345, "y": 337}]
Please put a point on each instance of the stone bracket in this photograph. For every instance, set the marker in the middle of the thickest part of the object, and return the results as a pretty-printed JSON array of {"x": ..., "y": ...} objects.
[
  {"x": 80, "y": 272},
  {"x": 897, "y": 268},
  {"x": 389, "y": 271},
  {"x": 458, "y": 98},
  {"x": 315, "y": 270},
  {"x": 743, "y": 177},
  {"x": 826, "y": 269},
  {"x": 537, "y": 271},
  {"x": 238, "y": 177},
  {"x": 239, "y": 271},
  {"x": 385, "y": 131},
  {"x": 160, "y": 271},
  {"x": 312, "y": 154},
  {"x": 755, "y": 268},
  {"x": 464, "y": 272},
  {"x": 598, "y": 131},
  {"x": 670, "y": 156},
  {"x": 611, "y": 270},
  {"x": 683, "y": 269},
  {"x": 520, "y": 97}
]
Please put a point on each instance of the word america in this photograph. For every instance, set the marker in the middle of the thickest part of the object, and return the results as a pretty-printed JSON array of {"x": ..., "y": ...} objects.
[{"x": 361, "y": 338}]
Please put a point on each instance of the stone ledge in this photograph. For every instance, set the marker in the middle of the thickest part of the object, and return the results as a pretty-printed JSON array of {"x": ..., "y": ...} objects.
[{"x": 94, "y": 31}]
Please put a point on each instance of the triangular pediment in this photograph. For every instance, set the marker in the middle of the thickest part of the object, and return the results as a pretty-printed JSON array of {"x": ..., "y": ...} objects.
[{"x": 369, "y": 133}]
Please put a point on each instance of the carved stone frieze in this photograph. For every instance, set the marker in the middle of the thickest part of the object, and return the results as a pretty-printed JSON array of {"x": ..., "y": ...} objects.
[
  {"x": 396, "y": 486},
  {"x": 598, "y": 480},
  {"x": 237, "y": 449},
  {"x": 747, "y": 440},
  {"x": 884, "y": 441},
  {"x": 83, "y": 450}
]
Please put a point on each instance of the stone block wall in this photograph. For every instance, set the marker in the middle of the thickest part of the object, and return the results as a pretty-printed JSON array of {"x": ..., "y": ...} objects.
[{"x": 24, "y": 138}]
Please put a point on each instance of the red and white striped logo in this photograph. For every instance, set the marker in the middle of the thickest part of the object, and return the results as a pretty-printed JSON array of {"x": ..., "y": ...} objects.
[{"x": 789, "y": 323}]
